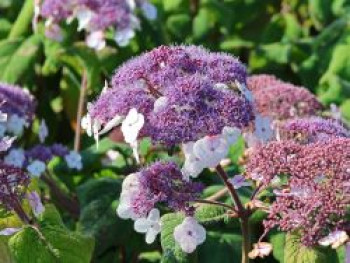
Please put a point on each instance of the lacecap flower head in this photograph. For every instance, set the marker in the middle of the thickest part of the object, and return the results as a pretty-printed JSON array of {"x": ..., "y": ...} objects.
[
  {"x": 95, "y": 17},
  {"x": 13, "y": 183},
  {"x": 315, "y": 199},
  {"x": 280, "y": 100},
  {"x": 19, "y": 106},
  {"x": 310, "y": 130},
  {"x": 183, "y": 92},
  {"x": 160, "y": 183}
]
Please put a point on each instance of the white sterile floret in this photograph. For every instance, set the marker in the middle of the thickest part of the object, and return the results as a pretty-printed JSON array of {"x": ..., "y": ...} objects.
[
  {"x": 151, "y": 225},
  {"x": 117, "y": 119},
  {"x": 131, "y": 128},
  {"x": 73, "y": 160},
  {"x": 246, "y": 92},
  {"x": 130, "y": 186},
  {"x": 84, "y": 17},
  {"x": 221, "y": 86},
  {"x": 211, "y": 150},
  {"x": 189, "y": 234},
  {"x": 16, "y": 124},
  {"x": 231, "y": 134},
  {"x": 6, "y": 143},
  {"x": 263, "y": 132},
  {"x": 43, "y": 131},
  {"x": 36, "y": 168},
  {"x": 193, "y": 166},
  {"x": 86, "y": 124},
  {"x": 9, "y": 231},
  {"x": 334, "y": 239},
  {"x": 263, "y": 128},
  {"x": 261, "y": 249},
  {"x": 35, "y": 203},
  {"x": 15, "y": 158},
  {"x": 239, "y": 181},
  {"x": 122, "y": 37},
  {"x": 149, "y": 10},
  {"x": 160, "y": 103},
  {"x": 96, "y": 40}
]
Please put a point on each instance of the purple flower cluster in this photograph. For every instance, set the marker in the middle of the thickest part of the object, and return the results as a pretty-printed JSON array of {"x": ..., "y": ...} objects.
[
  {"x": 162, "y": 182},
  {"x": 45, "y": 153},
  {"x": 314, "y": 207},
  {"x": 310, "y": 130},
  {"x": 13, "y": 183},
  {"x": 316, "y": 196},
  {"x": 58, "y": 10},
  {"x": 280, "y": 100},
  {"x": 261, "y": 81},
  {"x": 17, "y": 101},
  {"x": 96, "y": 16},
  {"x": 176, "y": 89}
]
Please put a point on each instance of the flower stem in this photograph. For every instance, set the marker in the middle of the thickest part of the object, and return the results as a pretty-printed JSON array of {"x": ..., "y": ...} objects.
[
  {"x": 83, "y": 89},
  {"x": 64, "y": 201},
  {"x": 246, "y": 247},
  {"x": 20, "y": 212},
  {"x": 243, "y": 214}
]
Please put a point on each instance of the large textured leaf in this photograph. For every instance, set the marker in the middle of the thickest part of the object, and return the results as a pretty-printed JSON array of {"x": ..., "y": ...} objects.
[
  {"x": 22, "y": 60},
  {"x": 220, "y": 247},
  {"x": 278, "y": 242},
  {"x": 207, "y": 214},
  {"x": 296, "y": 252},
  {"x": 51, "y": 243},
  {"x": 98, "y": 218}
]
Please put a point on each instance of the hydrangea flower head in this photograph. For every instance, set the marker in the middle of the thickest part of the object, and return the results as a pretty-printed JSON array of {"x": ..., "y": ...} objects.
[
  {"x": 96, "y": 16},
  {"x": 174, "y": 88},
  {"x": 17, "y": 102},
  {"x": 261, "y": 81},
  {"x": 162, "y": 182},
  {"x": 283, "y": 101},
  {"x": 310, "y": 130},
  {"x": 315, "y": 199},
  {"x": 13, "y": 183}
]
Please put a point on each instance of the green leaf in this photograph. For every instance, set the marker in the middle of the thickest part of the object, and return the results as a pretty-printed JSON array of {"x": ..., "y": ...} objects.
[
  {"x": 220, "y": 247},
  {"x": 23, "y": 21},
  {"x": 179, "y": 24},
  {"x": 5, "y": 254},
  {"x": 22, "y": 60},
  {"x": 204, "y": 21},
  {"x": 207, "y": 214},
  {"x": 296, "y": 252},
  {"x": 172, "y": 5},
  {"x": 277, "y": 240},
  {"x": 51, "y": 242}
]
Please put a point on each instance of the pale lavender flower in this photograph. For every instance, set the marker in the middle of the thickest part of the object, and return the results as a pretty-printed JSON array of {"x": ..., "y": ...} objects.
[
  {"x": 189, "y": 234},
  {"x": 35, "y": 203},
  {"x": 150, "y": 225},
  {"x": 9, "y": 231}
]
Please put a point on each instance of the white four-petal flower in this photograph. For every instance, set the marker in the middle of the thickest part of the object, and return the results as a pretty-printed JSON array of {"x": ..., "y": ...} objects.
[
  {"x": 131, "y": 128},
  {"x": 189, "y": 234},
  {"x": 334, "y": 239},
  {"x": 150, "y": 225}
]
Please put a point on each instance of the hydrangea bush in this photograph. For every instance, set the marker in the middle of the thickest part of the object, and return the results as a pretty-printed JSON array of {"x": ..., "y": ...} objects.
[{"x": 221, "y": 132}]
